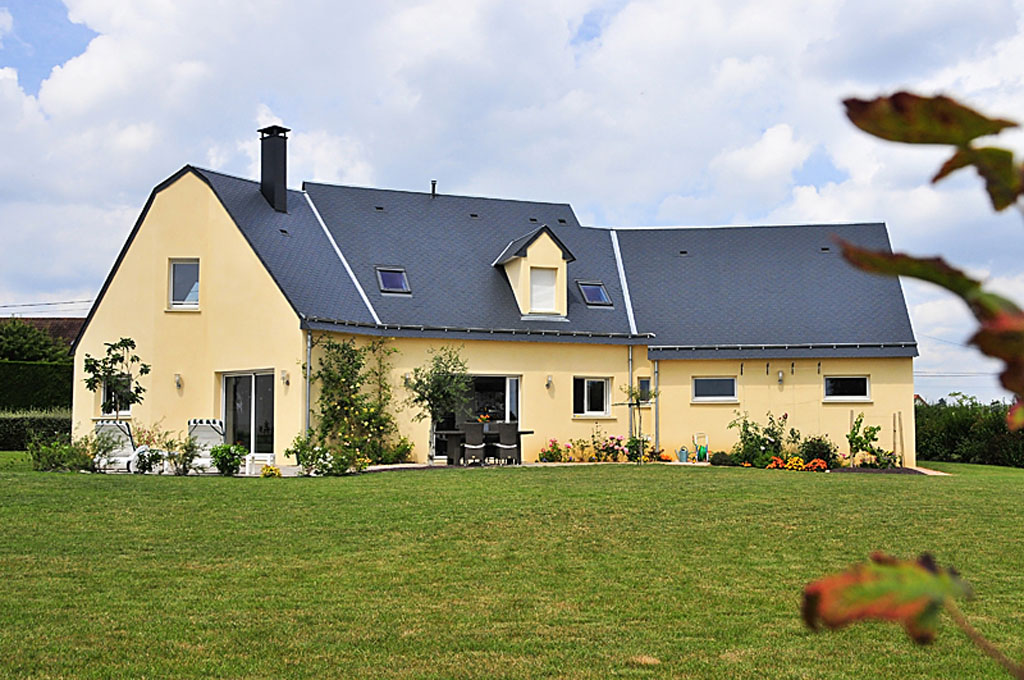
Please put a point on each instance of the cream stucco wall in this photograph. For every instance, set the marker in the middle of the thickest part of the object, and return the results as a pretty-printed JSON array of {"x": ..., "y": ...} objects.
[
  {"x": 548, "y": 411},
  {"x": 243, "y": 322},
  {"x": 800, "y": 395}
]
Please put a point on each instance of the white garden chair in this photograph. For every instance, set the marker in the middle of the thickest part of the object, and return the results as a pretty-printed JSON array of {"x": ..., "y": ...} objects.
[
  {"x": 126, "y": 453},
  {"x": 209, "y": 432}
]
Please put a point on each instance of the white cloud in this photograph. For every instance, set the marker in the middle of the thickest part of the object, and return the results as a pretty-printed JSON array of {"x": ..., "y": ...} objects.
[{"x": 687, "y": 113}]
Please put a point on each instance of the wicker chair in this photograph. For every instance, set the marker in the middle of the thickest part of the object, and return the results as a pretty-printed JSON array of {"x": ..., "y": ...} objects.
[
  {"x": 508, "y": 444},
  {"x": 474, "y": 446}
]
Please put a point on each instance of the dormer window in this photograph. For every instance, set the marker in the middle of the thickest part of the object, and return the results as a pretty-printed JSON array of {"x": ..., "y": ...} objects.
[
  {"x": 542, "y": 290},
  {"x": 393, "y": 280},
  {"x": 594, "y": 294}
]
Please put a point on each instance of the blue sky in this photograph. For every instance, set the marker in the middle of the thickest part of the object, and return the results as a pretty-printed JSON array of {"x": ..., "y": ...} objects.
[{"x": 635, "y": 112}]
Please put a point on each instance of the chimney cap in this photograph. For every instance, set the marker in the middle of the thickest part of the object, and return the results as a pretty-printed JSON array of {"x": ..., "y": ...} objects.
[{"x": 274, "y": 131}]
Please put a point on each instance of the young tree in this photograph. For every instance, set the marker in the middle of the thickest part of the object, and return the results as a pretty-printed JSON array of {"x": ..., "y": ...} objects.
[
  {"x": 439, "y": 388},
  {"x": 117, "y": 375}
]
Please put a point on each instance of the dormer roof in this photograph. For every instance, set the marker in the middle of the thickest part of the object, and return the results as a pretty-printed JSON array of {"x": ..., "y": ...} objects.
[{"x": 517, "y": 247}]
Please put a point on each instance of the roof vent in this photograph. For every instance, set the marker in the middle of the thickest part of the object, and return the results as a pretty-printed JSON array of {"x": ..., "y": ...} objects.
[
  {"x": 378, "y": 208},
  {"x": 684, "y": 253},
  {"x": 274, "y": 166},
  {"x": 561, "y": 220},
  {"x": 433, "y": 188},
  {"x": 533, "y": 219},
  {"x": 474, "y": 215},
  {"x": 826, "y": 249}
]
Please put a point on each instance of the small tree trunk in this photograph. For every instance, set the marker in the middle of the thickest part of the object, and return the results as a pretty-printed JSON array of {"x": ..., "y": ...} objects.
[{"x": 433, "y": 440}]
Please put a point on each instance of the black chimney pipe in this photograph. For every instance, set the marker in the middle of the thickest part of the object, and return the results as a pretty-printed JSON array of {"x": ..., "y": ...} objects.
[
  {"x": 433, "y": 188},
  {"x": 274, "y": 166}
]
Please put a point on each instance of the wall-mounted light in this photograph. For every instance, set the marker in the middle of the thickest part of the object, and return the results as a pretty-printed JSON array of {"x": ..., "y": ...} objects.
[
  {"x": 178, "y": 381},
  {"x": 548, "y": 382},
  {"x": 285, "y": 378},
  {"x": 780, "y": 377}
]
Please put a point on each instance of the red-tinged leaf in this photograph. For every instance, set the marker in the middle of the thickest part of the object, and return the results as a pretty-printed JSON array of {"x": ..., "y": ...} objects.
[
  {"x": 909, "y": 593},
  {"x": 913, "y": 119},
  {"x": 1015, "y": 418},
  {"x": 1003, "y": 180}
]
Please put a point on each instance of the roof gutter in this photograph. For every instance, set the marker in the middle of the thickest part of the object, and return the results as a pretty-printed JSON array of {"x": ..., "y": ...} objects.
[{"x": 474, "y": 330}]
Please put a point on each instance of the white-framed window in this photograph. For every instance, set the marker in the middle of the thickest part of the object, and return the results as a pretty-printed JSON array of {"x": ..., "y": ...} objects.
[
  {"x": 714, "y": 388},
  {"x": 643, "y": 386},
  {"x": 590, "y": 396},
  {"x": 847, "y": 388},
  {"x": 105, "y": 397},
  {"x": 542, "y": 289},
  {"x": 183, "y": 284}
]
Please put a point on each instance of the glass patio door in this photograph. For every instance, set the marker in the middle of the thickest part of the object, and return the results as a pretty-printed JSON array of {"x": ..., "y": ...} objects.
[
  {"x": 249, "y": 411},
  {"x": 496, "y": 396}
]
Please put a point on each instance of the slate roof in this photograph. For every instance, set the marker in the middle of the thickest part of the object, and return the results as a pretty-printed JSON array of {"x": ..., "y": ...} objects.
[
  {"x": 447, "y": 245},
  {"x": 770, "y": 292},
  {"x": 775, "y": 292}
]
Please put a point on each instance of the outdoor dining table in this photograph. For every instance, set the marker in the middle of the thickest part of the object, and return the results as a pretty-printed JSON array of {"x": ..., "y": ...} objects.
[{"x": 454, "y": 439}]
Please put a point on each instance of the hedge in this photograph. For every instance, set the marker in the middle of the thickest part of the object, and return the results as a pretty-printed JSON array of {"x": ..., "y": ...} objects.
[
  {"x": 963, "y": 430},
  {"x": 35, "y": 385},
  {"x": 16, "y": 427}
]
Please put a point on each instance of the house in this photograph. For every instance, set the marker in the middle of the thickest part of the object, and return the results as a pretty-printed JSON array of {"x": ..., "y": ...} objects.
[{"x": 225, "y": 282}]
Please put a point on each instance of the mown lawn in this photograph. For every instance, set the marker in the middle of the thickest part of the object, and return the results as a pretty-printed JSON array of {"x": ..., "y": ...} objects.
[{"x": 589, "y": 572}]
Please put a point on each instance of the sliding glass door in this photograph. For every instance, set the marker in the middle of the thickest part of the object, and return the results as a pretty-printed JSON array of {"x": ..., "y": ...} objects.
[
  {"x": 249, "y": 411},
  {"x": 496, "y": 397}
]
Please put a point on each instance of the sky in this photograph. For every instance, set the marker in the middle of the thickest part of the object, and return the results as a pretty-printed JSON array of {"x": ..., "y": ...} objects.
[{"x": 638, "y": 112}]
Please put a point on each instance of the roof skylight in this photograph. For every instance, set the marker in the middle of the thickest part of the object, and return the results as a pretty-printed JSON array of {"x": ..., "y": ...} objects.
[
  {"x": 393, "y": 280},
  {"x": 594, "y": 294}
]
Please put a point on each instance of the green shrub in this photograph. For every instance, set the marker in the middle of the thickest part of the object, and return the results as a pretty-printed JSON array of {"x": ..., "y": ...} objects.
[
  {"x": 723, "y": 458},
  {"x": 227, "y": 458},
  {"x": 181, "y": 454},
  {"x": 148, "y": 461},
  {"x": 819, "y": 446},
  {"x": 961, "y": 429},
  {"x": 35, "y": 385},
  {"x": 18, "y": 427},
  {"x": 64, "y": 454},
  {"x": 758, "y": 444}
]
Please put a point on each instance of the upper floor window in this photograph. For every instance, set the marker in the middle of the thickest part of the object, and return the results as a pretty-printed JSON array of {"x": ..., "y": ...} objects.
[
  {"x": 393, "y": 280},
  {"x": 847, "y": 388},
  {"x": 542, "y": 289},
  {"x": 594, "y": 294},
  {"x": 184, "y": 284}
]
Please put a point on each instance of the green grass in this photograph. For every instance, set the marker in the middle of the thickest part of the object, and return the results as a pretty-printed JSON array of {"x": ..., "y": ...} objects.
[{"x": 496, "y": 573}]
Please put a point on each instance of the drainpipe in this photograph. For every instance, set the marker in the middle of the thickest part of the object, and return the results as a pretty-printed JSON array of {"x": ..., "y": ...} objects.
[
  {"x": 630, "y": 387},
  {"x": 657, "y": 409},
  {"x": 309, "y": 367}
]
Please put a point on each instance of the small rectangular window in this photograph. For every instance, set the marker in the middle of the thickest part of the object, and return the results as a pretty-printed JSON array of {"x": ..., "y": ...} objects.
[
  {"x": 590, "y": 396},
  {"x": 393, "y": 280},
  {"x": 594, "y": 294},
  {"x": 108, "y": 405},
  {"x": 714, "y": 389},
  {"x": 846, "y": 388},
  {"x": 184, "y": 284},
  {"x": 542, "y": 289},
  {"x": 643, "y": 386}
]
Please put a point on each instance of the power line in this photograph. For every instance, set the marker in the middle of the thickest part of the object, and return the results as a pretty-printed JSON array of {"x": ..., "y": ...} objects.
[
  {"x": 948, "y": 342},
  {"x": 45, "y": 304}
]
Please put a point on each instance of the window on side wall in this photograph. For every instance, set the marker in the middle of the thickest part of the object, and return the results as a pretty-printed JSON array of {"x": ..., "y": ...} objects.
[
  {"x": 847, "y": 388},
  {"x": 107, "y": 395},
  {"x": 590, "y": 396},
  {"x": 542, "y": 290},
  {"x": 714, "y": 389},
  {"x": 184, "y": 284}
]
